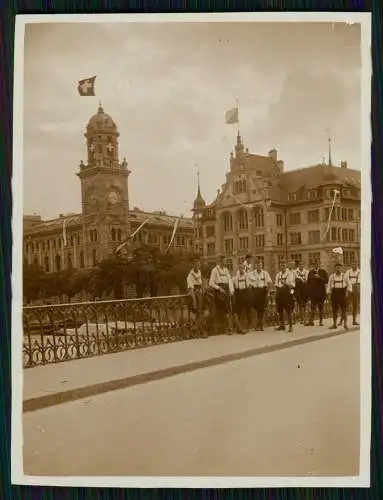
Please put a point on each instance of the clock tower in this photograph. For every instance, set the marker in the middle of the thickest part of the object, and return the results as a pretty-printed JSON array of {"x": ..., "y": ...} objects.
[{"x": 104, "y": 187}]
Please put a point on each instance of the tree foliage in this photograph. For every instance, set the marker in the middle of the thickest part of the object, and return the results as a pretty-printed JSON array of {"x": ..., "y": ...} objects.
[{"x": 151, "y": 271}]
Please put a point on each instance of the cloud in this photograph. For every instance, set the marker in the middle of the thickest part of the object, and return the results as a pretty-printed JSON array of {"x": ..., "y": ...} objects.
[{"x": 168, "y": 85}]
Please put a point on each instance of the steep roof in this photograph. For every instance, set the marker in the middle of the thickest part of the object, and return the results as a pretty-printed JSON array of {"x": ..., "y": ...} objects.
[
  {"x": 318, "y": 175},
  {"x": 135, "y": 216}
]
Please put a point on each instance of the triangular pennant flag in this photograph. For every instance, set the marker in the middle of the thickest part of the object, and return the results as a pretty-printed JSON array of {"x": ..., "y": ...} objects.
[
  {"x": 87, "y": 87},
  {"x": 231, "y": 116}
]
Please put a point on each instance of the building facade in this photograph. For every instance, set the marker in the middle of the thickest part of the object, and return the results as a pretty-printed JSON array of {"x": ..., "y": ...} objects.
[
  {"x": 81, "y": 240},
  {"x": 272, "y": 214}
]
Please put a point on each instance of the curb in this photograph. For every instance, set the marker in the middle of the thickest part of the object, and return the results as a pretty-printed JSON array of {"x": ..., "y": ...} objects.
[{"x": 58, "y": 398}]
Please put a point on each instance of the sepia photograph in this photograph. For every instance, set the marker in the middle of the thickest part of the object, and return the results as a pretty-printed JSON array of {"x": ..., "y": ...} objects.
[{"x": 191, "y": 286}]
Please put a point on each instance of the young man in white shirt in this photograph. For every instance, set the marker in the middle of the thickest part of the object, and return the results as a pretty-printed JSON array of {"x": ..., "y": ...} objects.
[
  {"x": 194, "y": 286},
  {"x": 221, "y": 282},
  {"x": 337, "y": 288},
  {"x": 301, "y": 290},
  {"x": 284, "y": 284},
  {"x": 260, "y": 282},
  {"x": 353, "y": 277}
]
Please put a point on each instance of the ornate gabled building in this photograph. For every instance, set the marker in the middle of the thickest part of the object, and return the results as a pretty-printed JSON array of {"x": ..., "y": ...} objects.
[
  {"x": 273, "y": 214},
  {"x": 82, "y": 240}
]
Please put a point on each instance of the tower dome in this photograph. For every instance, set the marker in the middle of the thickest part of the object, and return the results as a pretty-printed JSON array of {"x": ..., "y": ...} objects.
[{"x": 101, "y": 122}]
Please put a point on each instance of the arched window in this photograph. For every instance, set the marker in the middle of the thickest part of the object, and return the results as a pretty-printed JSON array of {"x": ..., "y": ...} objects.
[
  {"x": 113, "y": 234},
  {"x": 242, "y": 219},
  {"x": 95, "y": 235},
  {"x": 82, "y": 260},
  {"x": 227, "y": 222},
  {"x": 58, "y": 263},
  {"x": 259, "y": 217}
]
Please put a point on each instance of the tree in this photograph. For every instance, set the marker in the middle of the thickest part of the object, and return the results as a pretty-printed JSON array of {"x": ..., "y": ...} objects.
[{"x": 33, "y": 277}]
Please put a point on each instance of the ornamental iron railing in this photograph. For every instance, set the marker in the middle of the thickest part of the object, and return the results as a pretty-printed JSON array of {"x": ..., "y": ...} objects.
[{"x": 63, "y": 332}]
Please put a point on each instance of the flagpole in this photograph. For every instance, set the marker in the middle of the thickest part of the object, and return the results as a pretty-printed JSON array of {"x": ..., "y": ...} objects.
[{"x": 237, "y": 106}]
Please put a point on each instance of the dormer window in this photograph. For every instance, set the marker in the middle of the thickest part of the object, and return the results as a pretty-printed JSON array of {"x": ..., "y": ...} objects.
[
  {"x": 313, "y": 194},
  {"x": 292, "y": 196}
]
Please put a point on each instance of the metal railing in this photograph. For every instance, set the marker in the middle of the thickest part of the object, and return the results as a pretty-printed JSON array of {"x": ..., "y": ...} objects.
[{"x": 63, "y": 332}]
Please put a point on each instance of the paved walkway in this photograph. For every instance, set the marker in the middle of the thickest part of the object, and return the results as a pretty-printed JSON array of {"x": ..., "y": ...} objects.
[
  {"x": 58, "y": 383},
  {"x": 294, "y": 412}
]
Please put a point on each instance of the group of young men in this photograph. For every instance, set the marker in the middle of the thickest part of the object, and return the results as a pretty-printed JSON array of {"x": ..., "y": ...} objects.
[{"x": 235, "y": 297}]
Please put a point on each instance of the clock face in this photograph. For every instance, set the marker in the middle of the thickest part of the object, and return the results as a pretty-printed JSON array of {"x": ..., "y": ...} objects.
[{"x": 113, "y": 197}]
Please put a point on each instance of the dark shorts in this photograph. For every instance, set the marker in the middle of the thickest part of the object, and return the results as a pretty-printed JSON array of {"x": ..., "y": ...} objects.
[
  {"x": 259, "y": 299},
  {"x": 242, "y": 300}
]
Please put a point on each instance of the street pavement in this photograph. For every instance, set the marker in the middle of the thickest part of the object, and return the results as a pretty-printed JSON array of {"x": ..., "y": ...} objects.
[
  {"x": 294, "y": 411},
  {"x": 60, "y": 382}
]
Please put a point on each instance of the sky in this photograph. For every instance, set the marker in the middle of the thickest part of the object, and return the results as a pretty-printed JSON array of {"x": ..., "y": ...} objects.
[{"x": 167, "y": 87}]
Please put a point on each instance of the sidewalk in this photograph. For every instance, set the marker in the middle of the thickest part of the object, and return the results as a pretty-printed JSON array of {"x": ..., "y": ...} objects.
[{"x": 58, "y": 383}]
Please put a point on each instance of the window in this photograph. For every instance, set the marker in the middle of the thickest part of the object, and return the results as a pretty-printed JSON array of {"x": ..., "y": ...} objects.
[
  {"x": 211, "y": 248},
  {"x": 279, "y": 220},
  {"x": 280, "y": 239},
  {"x": 119, "y": 235},
  {"x": 260, "y": 241},
  {"x": 292, "y": 196},
  {"x": 313, "y": 216},
  {"x": 244, "y": 243},
  {"x": 113, "y": 234},
  {"x": 242, "y": 219},
  {"x": 350, "y": 214},
  {"x": 344, "y": 235},
  {"x": 239, "y": 186},
  {"x": 78, "y": 239},
  {"x": 153, "y": 238},
  {"x": 227, "y": 222},
  {"x": 82, "y": 260},
  {"x": 210, "y": 231},
  {"x": 94, "y": 257},
  {"x": 314, "y": 237},
  {"x": 259, "y": 219},
  {"x": 351, "y": 235},
  {"x": 54, "y": 244},
  {"x": 46, "y": 264},
  {"x": 297, "y": 258},
  {"x": 348, "y": 258},
  {"x": 335, "y": 234},
  {"x": 295, "y": 239},
  {"x": 58, "y": 263},
  {"x": 93, "y": 235},
  {"x": 35, "y": 261},
  {"x": 69, "y": 262},
  {"x": 229, "y": 264},
  {"x": 295, "y": 218},
  {"x": 313, "y": 194},
  {"x": 229, "y": 245}
]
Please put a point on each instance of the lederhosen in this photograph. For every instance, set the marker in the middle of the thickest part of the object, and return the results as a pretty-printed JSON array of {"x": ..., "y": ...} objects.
[
  {"x": 353, "y": 277},
  {"x": 301, "y": 288},
  {"x": 198, "y": 296},
  {"x": 260, "y": 294},
  {"x": 241, "y": 294},
  {"x": 222, "y": 300},
  {"x": 284, "y": 299},
  {"x": 338, "y": 295}
]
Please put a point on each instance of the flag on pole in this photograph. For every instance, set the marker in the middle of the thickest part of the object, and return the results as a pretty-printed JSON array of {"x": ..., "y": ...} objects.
[
  {"x": 86, "y": 87},
  {"x": 338, "y": 250},
  {"x": 231, "y": 116},
  {"x": 64, "y": 233},
  {"x": 174, "y": 233},
  {"x": 130, "y": 237}
]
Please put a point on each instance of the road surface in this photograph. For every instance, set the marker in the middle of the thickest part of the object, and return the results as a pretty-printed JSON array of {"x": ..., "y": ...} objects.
[{"x": 290, "y": 412}]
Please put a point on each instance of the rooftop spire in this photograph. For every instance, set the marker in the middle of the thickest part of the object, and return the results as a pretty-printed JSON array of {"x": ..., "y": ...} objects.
[
  {"x": 100, "y": 108},
  {"x": 329, "y": 148},
  {"x": 199, "y": 202}
]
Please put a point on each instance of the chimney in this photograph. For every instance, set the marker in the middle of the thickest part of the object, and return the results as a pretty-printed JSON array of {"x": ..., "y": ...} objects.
[
  {"x": 343, "y": 164},
  {"x": 281, "y": 165},
  {"x": 273, "y": 153}
]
